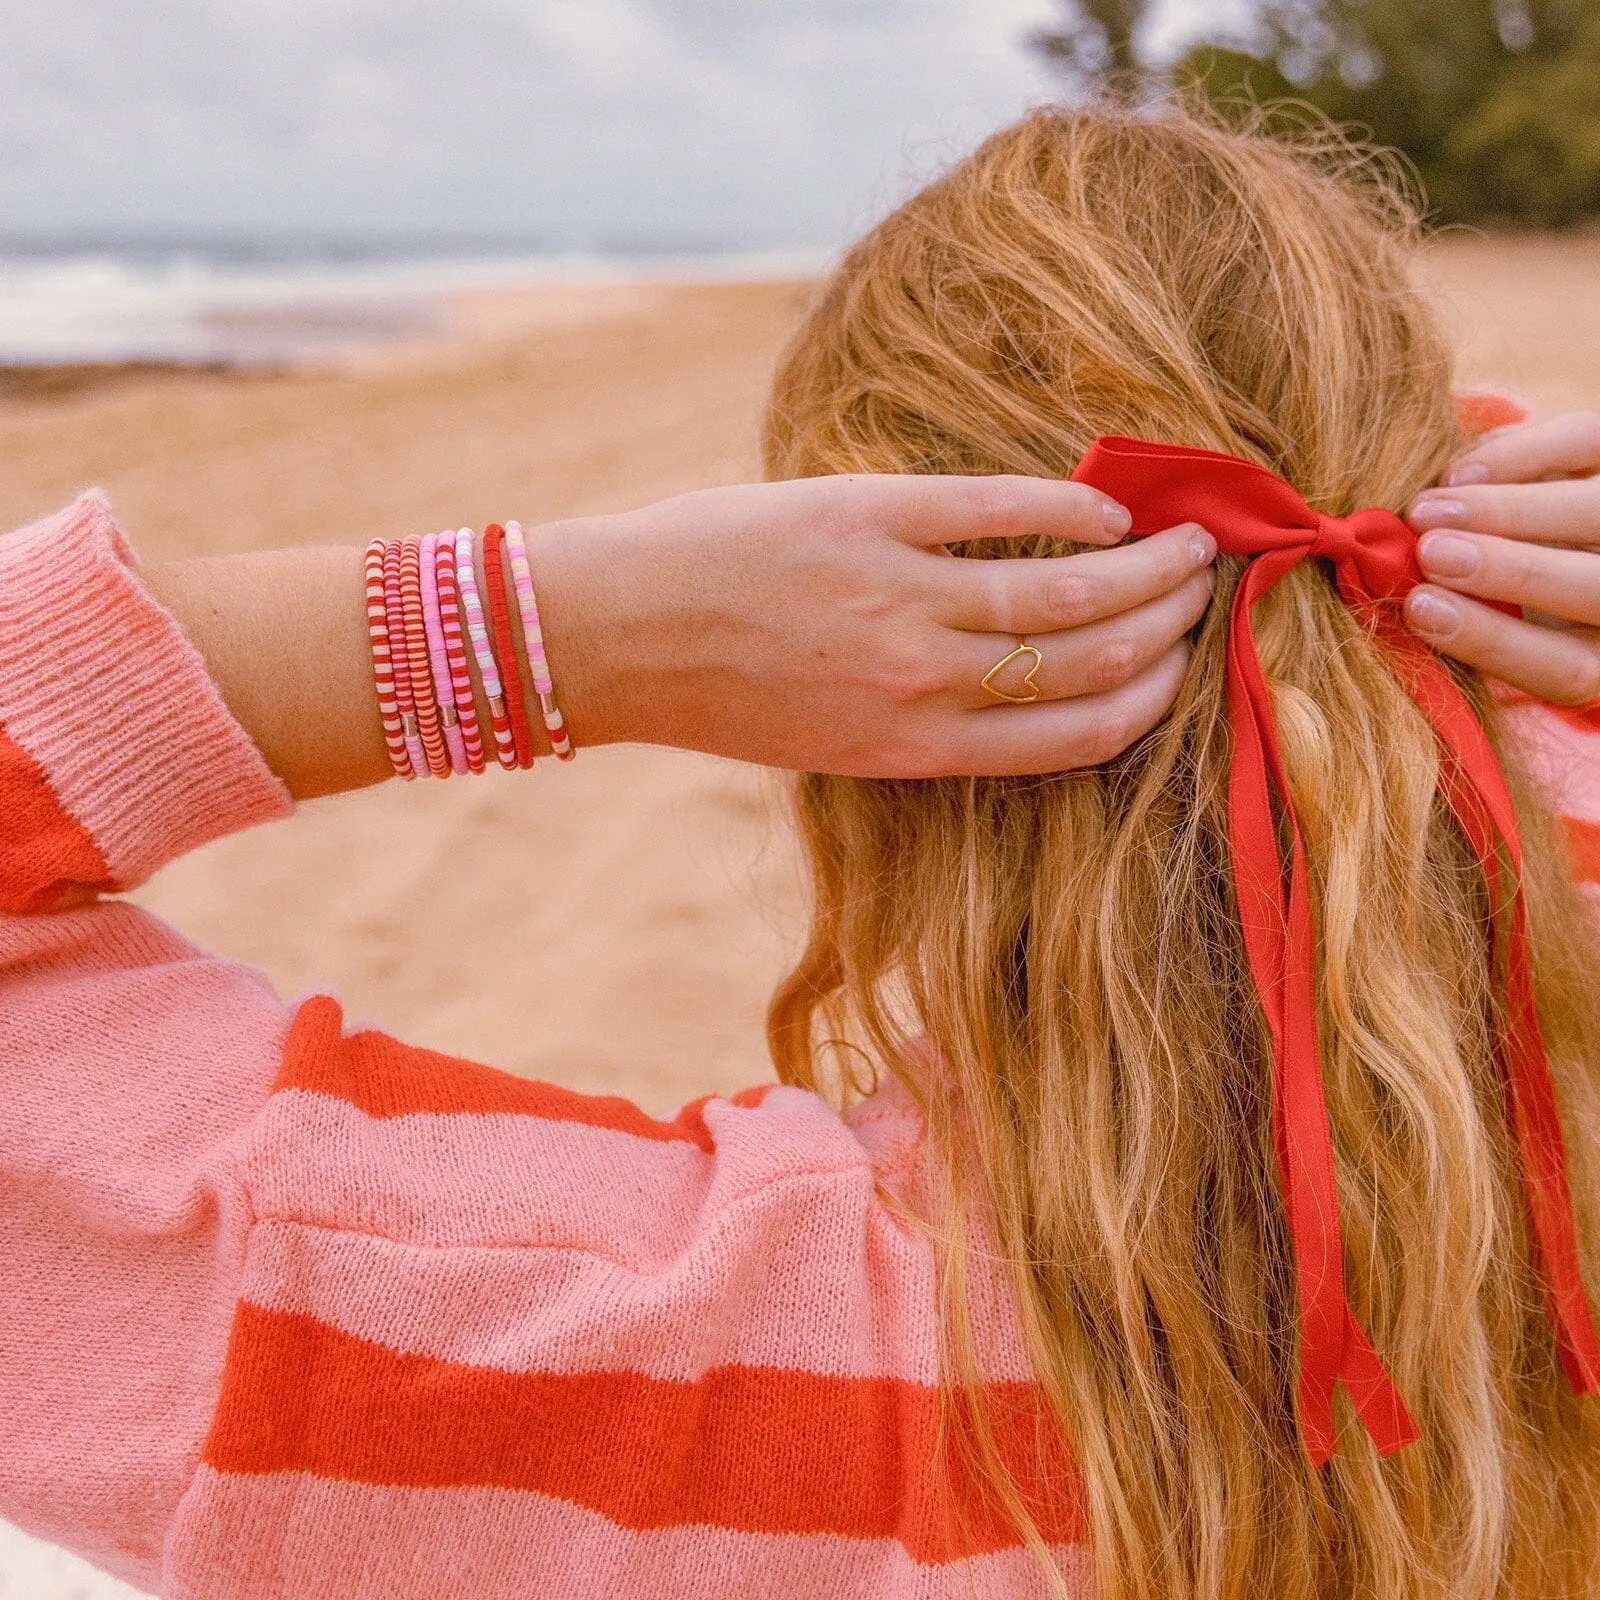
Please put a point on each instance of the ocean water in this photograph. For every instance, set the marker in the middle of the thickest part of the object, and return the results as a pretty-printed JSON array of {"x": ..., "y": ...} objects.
[{"x": 93, "y": 307}]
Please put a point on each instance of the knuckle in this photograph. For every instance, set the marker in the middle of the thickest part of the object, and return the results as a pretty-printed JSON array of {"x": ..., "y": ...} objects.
[
  {"x": 1068, "y": 597},
  {"x": 1518, "y": 568},
  {"x": 1113, "y": 663},
  {"x": 906, "y": 676},
  {"x": 999, "y": 603},
  {"x": 1578, "y": 680},
  {"x": 1111, "y": 733}
]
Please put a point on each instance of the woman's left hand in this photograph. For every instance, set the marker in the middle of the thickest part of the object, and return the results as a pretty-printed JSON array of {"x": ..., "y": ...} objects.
[{"x": 1517, "y": 520}]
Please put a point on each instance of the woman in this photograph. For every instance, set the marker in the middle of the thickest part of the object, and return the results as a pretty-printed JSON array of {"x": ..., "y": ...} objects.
[{"x": 295, "y": 1311}]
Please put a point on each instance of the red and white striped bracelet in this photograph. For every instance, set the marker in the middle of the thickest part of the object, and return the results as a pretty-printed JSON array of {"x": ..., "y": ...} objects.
[
  {"x": 382, "y": 663},
  {"x": 399, "y": 661}
]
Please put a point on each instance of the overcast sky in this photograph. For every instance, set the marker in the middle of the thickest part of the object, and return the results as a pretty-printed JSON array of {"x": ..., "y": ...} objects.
[{"x": 666, "y": 124}]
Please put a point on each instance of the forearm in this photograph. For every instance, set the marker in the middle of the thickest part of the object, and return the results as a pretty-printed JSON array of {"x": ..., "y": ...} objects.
[
  {"x": 284, "y": 636},
  {"x": 820, "y": 625}
]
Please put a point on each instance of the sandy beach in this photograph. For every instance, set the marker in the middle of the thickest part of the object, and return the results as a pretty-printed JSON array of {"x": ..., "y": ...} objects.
[{"x": 616, "y": 924}]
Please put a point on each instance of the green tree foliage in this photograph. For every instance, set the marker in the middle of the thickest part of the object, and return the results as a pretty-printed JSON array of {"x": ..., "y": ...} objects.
[{"x": 1495, "y": 102}]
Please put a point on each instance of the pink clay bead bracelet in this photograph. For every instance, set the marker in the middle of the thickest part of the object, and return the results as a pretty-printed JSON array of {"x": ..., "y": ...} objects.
[
  {"x": 533, "y": 643},
  {"x": 439, "y": 656},
  {"x": 455, "y": 649}
]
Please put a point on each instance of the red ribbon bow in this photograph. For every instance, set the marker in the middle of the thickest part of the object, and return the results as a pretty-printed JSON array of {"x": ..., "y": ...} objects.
[{"x": 1253, "y": 512}]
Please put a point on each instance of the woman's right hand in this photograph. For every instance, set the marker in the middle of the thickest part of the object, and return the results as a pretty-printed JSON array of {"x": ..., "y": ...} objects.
[{"x": 820, "y": 624}]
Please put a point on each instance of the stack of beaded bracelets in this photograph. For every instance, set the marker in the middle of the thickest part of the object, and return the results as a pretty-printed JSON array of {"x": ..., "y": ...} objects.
[{"x": 421, "y": 595}]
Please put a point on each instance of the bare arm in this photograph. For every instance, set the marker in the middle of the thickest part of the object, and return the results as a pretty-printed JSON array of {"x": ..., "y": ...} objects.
[
  {"x": 818, "y": 624},
  {"x": 284, "y": 633}
]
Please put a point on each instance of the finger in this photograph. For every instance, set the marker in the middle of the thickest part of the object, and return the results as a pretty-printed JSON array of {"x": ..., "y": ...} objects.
[
  {"x": 931, "y": 510},
  {"x": 1568, "y": 445},
  {"x": 1563, "y": 583},
  {"x": 1077, "y": 661},
  {"x": 1556, "y": 665},
  {"x": 1047, "y": 594},
  {"x": 1052, "y": 736},
  {"x": 1546, "y": 513}
]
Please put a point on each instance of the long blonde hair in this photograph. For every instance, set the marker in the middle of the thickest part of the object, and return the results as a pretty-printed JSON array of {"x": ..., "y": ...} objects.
[{"x": 1069, "y": 944}]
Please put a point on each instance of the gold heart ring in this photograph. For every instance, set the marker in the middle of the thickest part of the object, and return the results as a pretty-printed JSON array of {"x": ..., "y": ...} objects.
[{"x": 1029, "y": 680}]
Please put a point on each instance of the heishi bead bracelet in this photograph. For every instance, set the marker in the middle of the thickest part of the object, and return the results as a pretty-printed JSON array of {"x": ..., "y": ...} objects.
[
  {"x": 438, "y": 657},
  {"x": 505, "y": 645},
  {"x": 455, "y": 650},
  {"x": 427, "y": 628},
  {"x": 533, "y": 643},
  {"x": 382, "y": 665},
  {"x": 399, "y": 660},
  {"x": 505, "y": 748},
  {"x": 417, "y": 658}
]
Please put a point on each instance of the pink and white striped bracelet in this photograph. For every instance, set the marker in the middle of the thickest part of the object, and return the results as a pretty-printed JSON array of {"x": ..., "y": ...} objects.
[
  {"x": 505, "y": 748},
  {"x": 533, "y": 643},
  {"x": 438, "y": 657},
  {"x": 456, "y": 652}
]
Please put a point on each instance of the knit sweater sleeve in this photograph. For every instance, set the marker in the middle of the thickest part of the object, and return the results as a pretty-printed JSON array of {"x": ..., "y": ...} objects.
[
  {"x": 116, "y": 752},
  {"x": 129, "y": 1061}
]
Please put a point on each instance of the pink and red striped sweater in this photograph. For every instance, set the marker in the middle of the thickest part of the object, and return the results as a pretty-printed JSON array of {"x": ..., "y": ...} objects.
[{"x": 294, "y": 1311}]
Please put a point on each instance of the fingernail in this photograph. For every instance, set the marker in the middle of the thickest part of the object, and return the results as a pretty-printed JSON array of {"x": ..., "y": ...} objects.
[
  {"x": 1202, "y": 547},
  {"x": 1465, "y": 472},
  {"x": 1118, "y": 519},
  {"x": 1447, "y": 556},
  {"x": 1434, "y": 511},
  {"x": 1428, "y": 611}
]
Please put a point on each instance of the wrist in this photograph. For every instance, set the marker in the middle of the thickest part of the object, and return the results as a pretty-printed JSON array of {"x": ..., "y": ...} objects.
[{"x": 582, "y": 579}]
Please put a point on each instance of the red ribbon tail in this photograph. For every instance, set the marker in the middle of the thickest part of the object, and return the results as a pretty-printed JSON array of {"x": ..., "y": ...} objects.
[
  {"x": 1280, "y": 948},
  {"x": 1475, "y": 788},
  {"x": 1544, "y": 1171},
  {"x": 1377, "y": 1402},
  {"x": 1372, "y": 1391}
]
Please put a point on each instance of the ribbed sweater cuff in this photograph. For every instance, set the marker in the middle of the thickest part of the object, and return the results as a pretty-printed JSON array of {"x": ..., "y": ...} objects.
[{"x": 100, "y": 686}]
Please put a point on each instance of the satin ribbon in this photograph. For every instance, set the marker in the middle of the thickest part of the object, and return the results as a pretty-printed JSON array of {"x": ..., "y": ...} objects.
[{"x": 1253, "y": 512}]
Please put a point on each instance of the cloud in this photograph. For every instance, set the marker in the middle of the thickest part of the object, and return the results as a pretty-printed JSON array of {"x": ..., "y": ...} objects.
[{"x": 573, "y": 123}]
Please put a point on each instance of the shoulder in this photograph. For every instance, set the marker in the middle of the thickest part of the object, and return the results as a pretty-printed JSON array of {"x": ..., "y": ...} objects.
[
  {"x": 433, "y": 1205},
  {"x": 376, "y": 1136},
  {"x": 463, "y": 1290}
]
